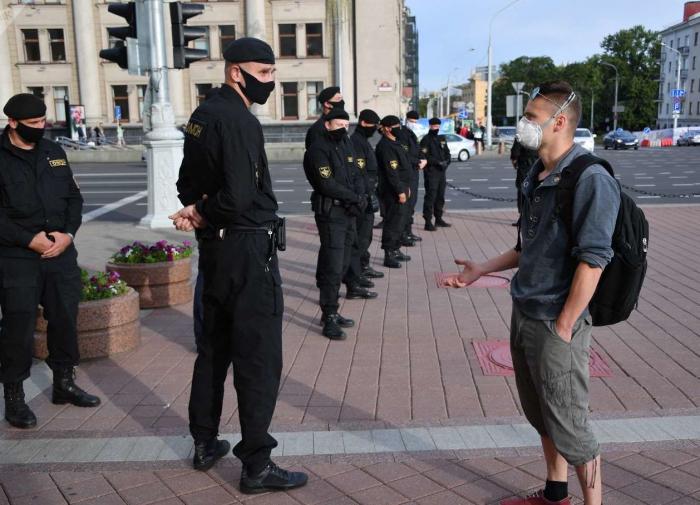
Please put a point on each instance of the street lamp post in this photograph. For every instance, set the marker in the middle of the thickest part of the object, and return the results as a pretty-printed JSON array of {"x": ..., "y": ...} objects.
[
  {"x": 678, "y": 81},
  {"x": 489, "y": 85},
  {"x": 617, "y": 83},
  {"x": 449, "y": 78}
]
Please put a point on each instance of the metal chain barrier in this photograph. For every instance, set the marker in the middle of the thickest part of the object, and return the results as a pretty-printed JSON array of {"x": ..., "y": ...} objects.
[
  {"x": 484, "y": 197},
  {"x": 660, "y": 195}
]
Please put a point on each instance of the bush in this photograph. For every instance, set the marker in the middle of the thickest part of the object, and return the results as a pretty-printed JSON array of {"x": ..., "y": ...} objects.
[
  {"x": 101, "y": 286},
  {"x": 160, "y": 251}
]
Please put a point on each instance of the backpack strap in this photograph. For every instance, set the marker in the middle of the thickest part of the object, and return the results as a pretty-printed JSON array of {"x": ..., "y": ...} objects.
[{"x": 567, "y": 187}]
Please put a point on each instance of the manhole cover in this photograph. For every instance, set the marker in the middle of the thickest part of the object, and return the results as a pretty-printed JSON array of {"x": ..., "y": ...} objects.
[{"x": 485, "y": 281}]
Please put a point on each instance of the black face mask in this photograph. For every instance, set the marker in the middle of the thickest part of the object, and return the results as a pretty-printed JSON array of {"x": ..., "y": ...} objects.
[
  {"x": 338, "y": 105},
  {"x": 433, "y": 132},
  {"x": 396, "y": 132},
  {"x": 28, "y": 133},
  {"x": 337, "y": 134},
  {"x": 367, "y": 131},
  {"x": 256, "y": 91}
]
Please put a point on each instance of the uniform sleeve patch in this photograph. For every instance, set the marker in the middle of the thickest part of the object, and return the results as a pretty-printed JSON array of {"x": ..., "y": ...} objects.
[
  {"x": 195, "y": 128},
  {"x": 425, "y": 150},
  {"x": 350, "y": 160},
  {"x": 361, "y": 163},
  {"x": 394, "y": 164},
  {"x": 325, "y": 172},
  {"x": 58, "y": 163}
]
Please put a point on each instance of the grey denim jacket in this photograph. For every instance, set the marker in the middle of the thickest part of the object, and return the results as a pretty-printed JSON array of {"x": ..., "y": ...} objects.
[{"x": 547, "y": 263}]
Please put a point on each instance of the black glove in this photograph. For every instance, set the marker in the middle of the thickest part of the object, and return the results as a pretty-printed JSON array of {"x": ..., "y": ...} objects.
[
  {"x": 362, "y": 204},
  {"x": 444, "y": 164},
  {"x": 373, "y": 202}
]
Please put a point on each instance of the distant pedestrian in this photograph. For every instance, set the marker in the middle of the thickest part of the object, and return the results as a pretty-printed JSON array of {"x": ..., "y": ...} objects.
[
  {"x": 120, "y": 135},
  {"x": 99, "y": 134}
]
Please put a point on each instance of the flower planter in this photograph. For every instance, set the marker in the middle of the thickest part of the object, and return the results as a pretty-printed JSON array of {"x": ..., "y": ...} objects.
[
  {"x": 105, "y": 327},
  {"x": 159, "y": 284}
]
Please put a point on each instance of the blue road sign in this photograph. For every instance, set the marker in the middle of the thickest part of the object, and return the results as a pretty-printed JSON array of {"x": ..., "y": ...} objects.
[
  {"x": 117, "y": 112},
  {"x": 677, "y": 93},
  {"x": 647, "y": 130},
  {"x": 676, "y": 105}
]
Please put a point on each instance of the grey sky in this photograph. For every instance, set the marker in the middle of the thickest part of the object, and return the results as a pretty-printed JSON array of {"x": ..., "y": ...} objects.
[{"x": 566, "y": 30}]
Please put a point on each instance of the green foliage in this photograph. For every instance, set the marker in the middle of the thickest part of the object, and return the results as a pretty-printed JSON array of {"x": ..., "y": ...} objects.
[
  {"x": 139, "y": 252},
  {"x": 101, "y": 286}
]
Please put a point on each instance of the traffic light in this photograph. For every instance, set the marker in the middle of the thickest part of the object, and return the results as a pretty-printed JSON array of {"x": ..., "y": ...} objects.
[
  {"x": 119, "y": 53},
  {"x": 183, "y": 34}
]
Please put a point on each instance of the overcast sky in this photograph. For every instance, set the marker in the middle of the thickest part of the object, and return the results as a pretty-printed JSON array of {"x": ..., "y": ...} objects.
[{"x": 566, "y": 30}]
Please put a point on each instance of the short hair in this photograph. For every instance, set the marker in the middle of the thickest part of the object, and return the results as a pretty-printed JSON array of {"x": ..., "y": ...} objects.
[{"x": 559, "y": 92}]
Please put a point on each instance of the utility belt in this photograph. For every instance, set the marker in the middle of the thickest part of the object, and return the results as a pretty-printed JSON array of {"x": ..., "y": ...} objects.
[
  {"x": 276, "y": 233},
  {"x": 324, "y": 204}
]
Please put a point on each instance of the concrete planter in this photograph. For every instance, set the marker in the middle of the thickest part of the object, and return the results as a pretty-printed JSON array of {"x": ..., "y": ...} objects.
[
  {"x": 159, "y": 284},
  {"x": 105, "y": 327}
]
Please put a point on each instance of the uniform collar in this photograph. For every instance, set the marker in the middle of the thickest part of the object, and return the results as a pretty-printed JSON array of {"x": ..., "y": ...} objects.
[{"x": 231, "y": 94}]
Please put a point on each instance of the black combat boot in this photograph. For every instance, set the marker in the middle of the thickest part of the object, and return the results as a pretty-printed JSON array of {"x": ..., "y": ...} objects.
[
  {"x": 272, "y": 478},
  {"x": 415, "y": 238},
  {"x": 442, "y": 223},
  {"x": 401, "y": 256},
  {"x": 66, "y": 391},
  {"x": 209, "y": 452},
  {"x": 332, "y": 329},
  {"x": 355, "y": 292},
  {"x": 364, "y": 282},
  {"x": 372, "y": 273},
  {"x": 390, "y": 260},
  {"x": 17, "y": 413},
  {"x": 429, "y": 226},
  {"x": 343, "y": 322}
]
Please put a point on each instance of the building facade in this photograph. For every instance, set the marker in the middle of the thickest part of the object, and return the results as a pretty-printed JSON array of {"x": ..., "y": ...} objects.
[
  {"x": 683, "y": 37},
  {"x": 51, "y": 48}
]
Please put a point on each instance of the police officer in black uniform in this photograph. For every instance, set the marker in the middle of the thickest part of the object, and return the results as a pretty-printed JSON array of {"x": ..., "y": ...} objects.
[
  {"x": 522, "y": 159},
  {"x": 40, "y": 213},
  {"x": 410, "y": 142},
  {"x": 368, "y": 121},
  {"x": 394, "y": 183},
  {"x": 434, "y": 147},
  {"x": 337, "y": 199},
  {"x": 330, "y": 98},
  {"x": 224, "y": 159}
]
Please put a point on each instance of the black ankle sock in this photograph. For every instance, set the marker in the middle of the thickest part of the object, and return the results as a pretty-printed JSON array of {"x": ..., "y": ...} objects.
[{"x": 556, "y": 491}]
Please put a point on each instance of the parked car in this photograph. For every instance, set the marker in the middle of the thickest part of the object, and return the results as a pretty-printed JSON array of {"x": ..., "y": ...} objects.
[
  {"x": 505, "y": 134},
  {"x": 584, "y": 137},
  {"x": 689, "y": 138},
  {"x": 620, "y": 139},
  {"x": 460, "y": 148}
]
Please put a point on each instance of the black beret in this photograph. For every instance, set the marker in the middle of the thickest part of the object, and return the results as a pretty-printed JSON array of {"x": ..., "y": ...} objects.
[
  {"x": 249, "y": 49},
  {"x": 336, "y": 113},
  {"x": 24, "y": 106},
  {"x": 328, "y": 93},
  {"x": 412, "y": 114},
  {"x": 369, "y": 116},
  {"x": 390, "y": 121},
  {"x": 435, "y": 120}
]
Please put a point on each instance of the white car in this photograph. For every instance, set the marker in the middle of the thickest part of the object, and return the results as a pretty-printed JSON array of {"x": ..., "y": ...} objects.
[
  {"x": 460, "y": 148},
  {"x": 584, "y": 138}
]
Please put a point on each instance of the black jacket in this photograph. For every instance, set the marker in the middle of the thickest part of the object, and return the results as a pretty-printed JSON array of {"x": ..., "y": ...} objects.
[
  {"x": 410, "y": 141},
  {"x": 224, "y": 158},
  {"x": 316, "y": 131},
  {"x": 331, "y": 169},
  {"x": 366, "y": 161},
  {"x": 37, "y": 193},
  {"x": 394, "y": 167},
  {"x": 435, "y": 149}
]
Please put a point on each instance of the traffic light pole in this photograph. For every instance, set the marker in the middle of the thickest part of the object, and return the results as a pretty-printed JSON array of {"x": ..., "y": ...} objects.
[{"x": 163, "y": 142}]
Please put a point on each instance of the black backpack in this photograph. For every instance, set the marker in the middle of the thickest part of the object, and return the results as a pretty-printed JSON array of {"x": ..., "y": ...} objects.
[{"x": 618, "y": 291}]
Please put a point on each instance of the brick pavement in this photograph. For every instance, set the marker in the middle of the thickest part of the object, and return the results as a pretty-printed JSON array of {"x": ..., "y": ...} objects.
[{"x": 409, "y": 363}]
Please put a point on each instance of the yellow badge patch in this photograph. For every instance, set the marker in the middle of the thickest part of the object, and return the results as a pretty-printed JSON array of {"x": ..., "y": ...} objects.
[
  {"x": 349, "y": 159},
  {"x": 394, "y": 164},
  {"x": 58, "y": 163},
  {"x": 405, "y": 147},
  {"x": 325, "y": 172},
  {"x": 194, "y": 129},
  {"x": 361, "y": 163}
]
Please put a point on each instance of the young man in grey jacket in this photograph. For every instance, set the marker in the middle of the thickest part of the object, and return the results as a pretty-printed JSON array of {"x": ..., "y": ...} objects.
[{"x": 550, "y": 326}]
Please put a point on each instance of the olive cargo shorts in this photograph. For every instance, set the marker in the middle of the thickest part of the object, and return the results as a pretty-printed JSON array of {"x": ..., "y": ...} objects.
[{"x": 552, "y": 380}]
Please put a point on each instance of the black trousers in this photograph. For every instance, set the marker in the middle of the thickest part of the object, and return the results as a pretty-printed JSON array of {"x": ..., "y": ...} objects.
[
  {"x": 337, "y": 233},
  {"x": 26, "y": 283},
  {"x": 412, "y": 201},
  {"x": 359, "y": 254},
  {"x": 434, "y": 200},
  {"x": 394, "y": 222},
  {"x": 243, "y": 307}
]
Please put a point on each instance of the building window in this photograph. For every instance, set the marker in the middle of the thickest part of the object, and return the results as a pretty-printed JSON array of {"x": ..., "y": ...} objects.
[
  {"x": 227, "y": 34},
  {"x": 667, "y": 109},
  {"x": 669, "y": 66},
  {"x": 31, "y": 44},
  {"x": 692, "y": 85},
  {"x": 60, "y": 93},
  {"x": 314, "y": 39},
  {"x": 141, "y": 94},
  {"x": 693, "y": 62},
  {"x": 58, "y": 47},
  {"x": 37, "y": 91},
  {"x": 120, "y": 97},
  {"x": 113, "y": 41},
  {"x": 202, "y": 90},
  {"x": 668, "y": 87},
  {"x": 696, "y": 39},
  {"x": 313, "y": 88},
  {"x": 687, "y": 40},
  {"x": 202, "y": 42},
  {"x": 290, "y": 100},
  {"x": 690, "y": 108},
  {"x": 288, "y": 40},
  {"x": 671, "y": 43}
]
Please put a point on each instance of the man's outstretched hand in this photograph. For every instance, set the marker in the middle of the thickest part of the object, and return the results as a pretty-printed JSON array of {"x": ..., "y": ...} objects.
[{"x": 469, "y": 274}]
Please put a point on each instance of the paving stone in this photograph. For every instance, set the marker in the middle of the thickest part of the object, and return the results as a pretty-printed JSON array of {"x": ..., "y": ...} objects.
[
  {"x": 328, "y": 442},
  {"x": 417, "y": 439},
  {"x": 388, "y": 441},
  {"x": 87, "y": 489}
]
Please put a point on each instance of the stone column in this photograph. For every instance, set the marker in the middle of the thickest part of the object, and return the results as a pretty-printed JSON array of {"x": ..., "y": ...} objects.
[
  {"x": 6, "y": 84},
  {"x": 255, "y": 26},
  {"x": 86, "y": 58},
  {"x": 342, "y": 53}
]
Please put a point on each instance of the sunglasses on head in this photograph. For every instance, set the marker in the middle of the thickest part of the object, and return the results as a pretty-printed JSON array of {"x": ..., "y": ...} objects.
[{"x": 572, "y": 96}]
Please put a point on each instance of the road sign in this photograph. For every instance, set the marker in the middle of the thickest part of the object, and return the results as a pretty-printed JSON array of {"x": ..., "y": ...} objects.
[
  {"x": 619, "y": 108},
  {"x": 647, "y": 130},
  {"x": 518, "y": 86},
  {"x": 117, "y": 112},
  {"x": 677, "y": 105},
  {"x": 677, "y": 93}
]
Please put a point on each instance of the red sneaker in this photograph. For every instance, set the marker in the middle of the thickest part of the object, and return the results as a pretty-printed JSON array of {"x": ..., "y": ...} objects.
[{"x": 536, "y": 498}]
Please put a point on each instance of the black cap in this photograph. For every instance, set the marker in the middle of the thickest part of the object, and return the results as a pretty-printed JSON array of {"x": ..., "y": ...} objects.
[
  {"x": 336, "y": 113},
  {"x": 249, "y": 49},
  {"x": 328, "y": 93},
  {"x": 434, "y": 120},
  {"x": 24, "y": 106},
  {"x": 369, "y": 116},
  {"x": 412, "y": 114},
  {"x": 390, "y": 121}
]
